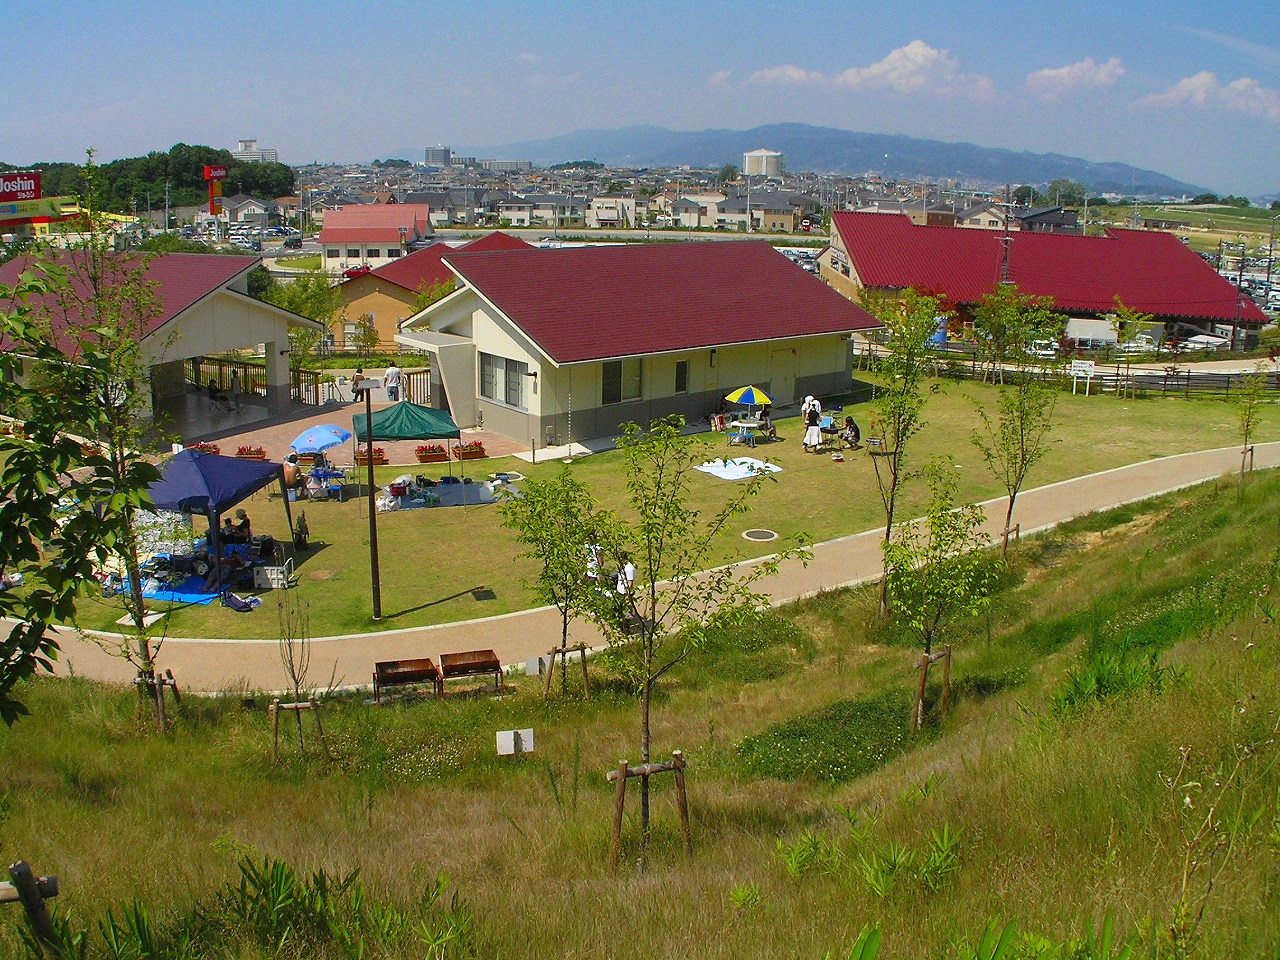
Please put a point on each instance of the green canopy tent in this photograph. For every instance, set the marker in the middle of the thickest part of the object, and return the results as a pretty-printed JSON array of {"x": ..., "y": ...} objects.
[{"x": 402, "y": 421}]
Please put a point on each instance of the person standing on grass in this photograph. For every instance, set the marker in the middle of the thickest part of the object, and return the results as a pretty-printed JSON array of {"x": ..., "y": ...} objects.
[
  {"x": 392, "y": 381},
  {"x": 235, "y": 389},
  {"x": 812, "y": 411}
]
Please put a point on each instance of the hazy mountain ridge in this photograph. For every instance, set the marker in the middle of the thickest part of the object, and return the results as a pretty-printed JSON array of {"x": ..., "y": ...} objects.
[{"x": 831, "y": 150}]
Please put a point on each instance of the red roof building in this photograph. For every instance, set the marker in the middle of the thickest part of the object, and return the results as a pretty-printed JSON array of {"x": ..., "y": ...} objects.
[
  {"x": 617, "y": 333},
  {"x": 202, "y": 308},
  {"x": 1151, "y": 272},
  {"x": 372, "y": 234},
  {"x": 389, "y": 295}
]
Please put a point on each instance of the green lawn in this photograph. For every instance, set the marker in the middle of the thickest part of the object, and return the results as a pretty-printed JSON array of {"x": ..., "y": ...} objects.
[
  {"x": 309, "y": 261},
  {"x": 432, "y": 559},
  {"x": 805, "y": 789}
]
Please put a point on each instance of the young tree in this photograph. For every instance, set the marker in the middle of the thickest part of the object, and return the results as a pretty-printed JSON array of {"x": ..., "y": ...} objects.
[
  {"x": 1249, "y": 408},
  {"x": 900, "y": 401},
  {"x": 1008, "y": 322},
  {"x": 676, "y": 602},
  {"x": 294, "y": 618},
  {"x": 1129, "y": 325},
  {"x": 555, "y": 520},
  {"x": 1018, "y": 439},
  {"x": 310, "y": 295},
  {"x": 365, "y": 336},
  {"x": 937, "y": 568}
]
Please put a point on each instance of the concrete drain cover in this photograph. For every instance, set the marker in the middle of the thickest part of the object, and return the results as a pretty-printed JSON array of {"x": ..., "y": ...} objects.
[{"x": 759, "y": 536}]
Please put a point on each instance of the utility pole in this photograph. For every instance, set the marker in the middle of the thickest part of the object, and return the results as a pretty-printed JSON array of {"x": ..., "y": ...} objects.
[
  {"x": 1271, "y": 253},
  {"x": 166, "y": 206}
]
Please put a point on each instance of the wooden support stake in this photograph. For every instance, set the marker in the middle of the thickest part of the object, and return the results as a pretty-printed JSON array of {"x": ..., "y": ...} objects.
[
  {"x": 615, "y": 850},
  {"x": 917, "y": 719},
  {"x": 274, "y": 710},
  {"x": 946, "y": 681},
  {"x": 29, "y": 893},
  {"x": 586, "y": 687},
  {"x": 168, "y": 678},
  {"x": 551, "y": 672},
  {"x": 682, "y": 800},
  {"x": 315, "y": 712}
]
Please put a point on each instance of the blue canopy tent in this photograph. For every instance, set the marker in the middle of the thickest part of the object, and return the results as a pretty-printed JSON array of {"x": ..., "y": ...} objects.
[{"x": 197, "y": 483}]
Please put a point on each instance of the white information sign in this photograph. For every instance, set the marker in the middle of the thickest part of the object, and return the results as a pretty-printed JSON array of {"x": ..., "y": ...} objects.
[
  {"x": 1081, "y": 368},
  {"x": 515, "y": 742}
]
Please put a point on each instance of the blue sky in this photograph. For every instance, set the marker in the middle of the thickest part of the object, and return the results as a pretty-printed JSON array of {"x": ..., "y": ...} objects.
[{"x": 1189, "y": 89}]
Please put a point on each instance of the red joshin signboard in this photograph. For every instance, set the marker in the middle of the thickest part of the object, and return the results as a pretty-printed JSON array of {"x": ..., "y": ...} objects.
[
  {"x": 19, "y": 186},
  {"x": 215, "y": 173}
]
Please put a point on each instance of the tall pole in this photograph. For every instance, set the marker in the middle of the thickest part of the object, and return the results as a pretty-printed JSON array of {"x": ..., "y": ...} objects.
[
  {"x": 373, "y": 506},
  {"x": 1271, "y": 253}
]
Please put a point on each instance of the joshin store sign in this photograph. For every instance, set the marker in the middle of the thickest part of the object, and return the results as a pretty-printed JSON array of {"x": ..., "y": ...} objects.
[{"x": 19, "y": 186}]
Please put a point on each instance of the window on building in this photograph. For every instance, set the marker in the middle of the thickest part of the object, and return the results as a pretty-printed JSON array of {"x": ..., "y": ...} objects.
[
  {"x": 393, "y": 252},
  {"x": 682, "y": 376},
  {"x": 373, "y": 252},
  {"x": 353, "y": 253},
  {"x": 332, "y": 253},
  {"x": 503, "y": 380},
  {"x": 620, "y": 381}
]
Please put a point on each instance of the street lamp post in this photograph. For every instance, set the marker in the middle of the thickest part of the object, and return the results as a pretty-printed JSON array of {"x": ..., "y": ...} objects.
[
  {"x": 373, "y": 507},
  {"x": 1271, "y": 253}
]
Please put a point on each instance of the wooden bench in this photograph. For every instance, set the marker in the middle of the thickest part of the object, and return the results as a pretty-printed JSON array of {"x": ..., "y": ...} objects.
[
  {"x": 402, "y": 673},
  {"x": 473, "y": 663}
]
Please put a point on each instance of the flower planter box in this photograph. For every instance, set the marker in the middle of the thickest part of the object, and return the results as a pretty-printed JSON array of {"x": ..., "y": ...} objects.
[
  {"x": 307, "y": 459},
  {"x": 441, "y": 457},
  {"x": 379, "y": 460},
  {"x": 252, "y": 455},
  {"x": 469, "y": 454}
]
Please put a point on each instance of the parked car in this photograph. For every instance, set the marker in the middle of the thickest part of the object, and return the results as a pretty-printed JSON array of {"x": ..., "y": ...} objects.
[
  {"x": 293, "y": 243},
  {"x": 1140, "y": 344},
  {"x": 359, "y": 271},
  {"x": 1043, "y": 350}
]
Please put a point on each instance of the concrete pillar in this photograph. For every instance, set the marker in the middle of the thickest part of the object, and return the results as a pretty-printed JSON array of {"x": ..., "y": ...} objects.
[{"x": 278, "y": 393}]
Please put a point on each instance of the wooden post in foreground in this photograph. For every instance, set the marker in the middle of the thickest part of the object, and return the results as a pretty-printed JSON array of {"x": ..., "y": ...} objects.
[
  {"x": 917, "y": 715},
  {"x": 615, "y": 850},
  {"x": 682, "y": 799},
  {"x": 946, "y": 680},
  {"x": 274, "y": 710},
  {"x": 32, "y": 893}
]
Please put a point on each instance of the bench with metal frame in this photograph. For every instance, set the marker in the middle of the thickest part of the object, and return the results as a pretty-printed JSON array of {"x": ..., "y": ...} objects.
[
  {"x": 403, "y": 673},
  {"x": 473, "y": 663}
]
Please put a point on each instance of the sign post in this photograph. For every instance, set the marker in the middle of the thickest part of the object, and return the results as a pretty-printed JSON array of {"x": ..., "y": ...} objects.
[{"x": 1081, "y": 368}]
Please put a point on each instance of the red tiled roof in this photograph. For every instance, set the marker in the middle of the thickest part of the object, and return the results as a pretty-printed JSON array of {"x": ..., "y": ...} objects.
[
  {"x": 179, "y": 279},
  {"x": 1151, "y": 272},
  {"x": 425, "y": 266},
  {"x": 597, "y": 302},
  {"x": 375, "y": 222}
]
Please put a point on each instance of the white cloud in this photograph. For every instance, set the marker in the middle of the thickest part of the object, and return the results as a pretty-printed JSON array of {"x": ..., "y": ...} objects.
[
  {"x": 786, "y": 75},
  {"x": 719, "y": 78},
  {"x": 1206, "y": 90},
  {"x": 918, "y": 68},
  {"x": 527, "y": 57},
  {"x": 1056, "y": 81}
]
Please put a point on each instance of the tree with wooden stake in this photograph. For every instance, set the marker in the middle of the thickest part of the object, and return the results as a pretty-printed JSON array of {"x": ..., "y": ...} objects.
[
  {"x": 31, "y": 891},
  {"x": 1007, "y": 324},
  {"x": 555, "y": 519},
  {"x": 938, "y": 569},
  {"x": 899, "y": 402},
  {"x": 1017, "y": 440},
  {"x": 1128, "y": 325},
  {"x": 657, "y": 622},
  {"x": 295, "y": 656},
  {"x": 625, "y": 772},
  {"x": 1249, "y": 401}
]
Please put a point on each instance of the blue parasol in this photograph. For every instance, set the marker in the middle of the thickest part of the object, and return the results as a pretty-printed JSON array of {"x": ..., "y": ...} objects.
[{"x": 320, "y": 438}]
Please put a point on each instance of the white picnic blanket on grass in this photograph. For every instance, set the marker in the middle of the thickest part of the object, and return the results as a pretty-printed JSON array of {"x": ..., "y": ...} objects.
[{"x": 738, "y": 469}]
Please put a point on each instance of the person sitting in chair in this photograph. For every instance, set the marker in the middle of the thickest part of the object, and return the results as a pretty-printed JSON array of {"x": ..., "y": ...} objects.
[
  {"x": 243, "y": 532},
  {"x": 850, "y": 433},
  {"x": 217, "y": 397},
  {"x": 222, "y": 573},
  {"x": 767, "y": 429}
]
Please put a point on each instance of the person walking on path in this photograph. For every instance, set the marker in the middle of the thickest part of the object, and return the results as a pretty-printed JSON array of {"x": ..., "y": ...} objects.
[{"x": 392, "y": 381}]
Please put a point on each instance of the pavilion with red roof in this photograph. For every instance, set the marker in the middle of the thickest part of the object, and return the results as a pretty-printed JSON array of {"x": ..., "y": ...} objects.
[
  {"x": 565, "y": 344},
  {"x": 203, "y": 308},
  {"x": 1151, "y": 272},
  {"x": 389, "y": 294}
]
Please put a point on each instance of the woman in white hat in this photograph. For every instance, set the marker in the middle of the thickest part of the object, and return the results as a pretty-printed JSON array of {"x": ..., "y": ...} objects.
[{"x": 812, "y": 413}]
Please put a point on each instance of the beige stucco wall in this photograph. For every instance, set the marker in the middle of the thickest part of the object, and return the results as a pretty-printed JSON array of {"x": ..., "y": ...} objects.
[{"x": 387, "y": 303}]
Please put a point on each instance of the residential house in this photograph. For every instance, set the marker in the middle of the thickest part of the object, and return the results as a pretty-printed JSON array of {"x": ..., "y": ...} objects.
[
  {"x": 1048, "y": 220},
  {"x": 612, "y": 210},
  {"x": 389, "y": 295},
  {"x": 567, "y": 344},
  {"x": 987, "y": 216},
  {"x": 515, "y": 211},
  {"x": 1153, "y": 273},
  {"x": 371, "y": 235}
]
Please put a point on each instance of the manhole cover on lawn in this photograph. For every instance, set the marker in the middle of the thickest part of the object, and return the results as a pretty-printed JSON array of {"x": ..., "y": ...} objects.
[{"x": 759, "y": 536}]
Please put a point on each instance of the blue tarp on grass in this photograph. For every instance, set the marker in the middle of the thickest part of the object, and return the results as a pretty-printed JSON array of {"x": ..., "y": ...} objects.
[{"x": 190, "y": 590}]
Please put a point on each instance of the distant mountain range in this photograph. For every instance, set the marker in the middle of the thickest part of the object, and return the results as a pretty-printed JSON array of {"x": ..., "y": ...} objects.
[{"x": 829, "y": 150}]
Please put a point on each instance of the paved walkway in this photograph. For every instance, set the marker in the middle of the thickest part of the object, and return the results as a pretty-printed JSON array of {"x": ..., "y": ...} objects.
[{"x": 217, "y": 665}]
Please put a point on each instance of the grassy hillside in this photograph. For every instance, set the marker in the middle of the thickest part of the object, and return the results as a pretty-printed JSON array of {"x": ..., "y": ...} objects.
[{"x": 1121, "y": 687}]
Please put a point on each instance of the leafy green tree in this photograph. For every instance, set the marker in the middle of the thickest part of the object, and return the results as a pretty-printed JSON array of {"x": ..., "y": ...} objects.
[
  {"x": 728, "y": 173},
  {"x": 365, "y": 336},
  {"x": 429, "y": 293},
  {"x": 1249, "y": 403},
  {"x": 676, "y": 601},
  {"x": 310, "y": 295},
  {"x": 1007, "y": 323},
  {"x": 911, "y": 321},
  {"x": 1018, "y": 439},
  {"x": 936, "y": 568},
  {"x": 1066, "y": 193},
  {"x": 1029, "y": 196},
  {"x": 555, "y": 520}
]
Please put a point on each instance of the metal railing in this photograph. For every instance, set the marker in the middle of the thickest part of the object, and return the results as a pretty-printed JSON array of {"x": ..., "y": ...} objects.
[{"x": 304, "y": 385}]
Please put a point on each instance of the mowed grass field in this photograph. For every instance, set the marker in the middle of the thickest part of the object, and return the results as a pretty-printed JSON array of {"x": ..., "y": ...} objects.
[
  {"x": 1051, "y": 775},
  {"x": 432, "y": 560}
]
